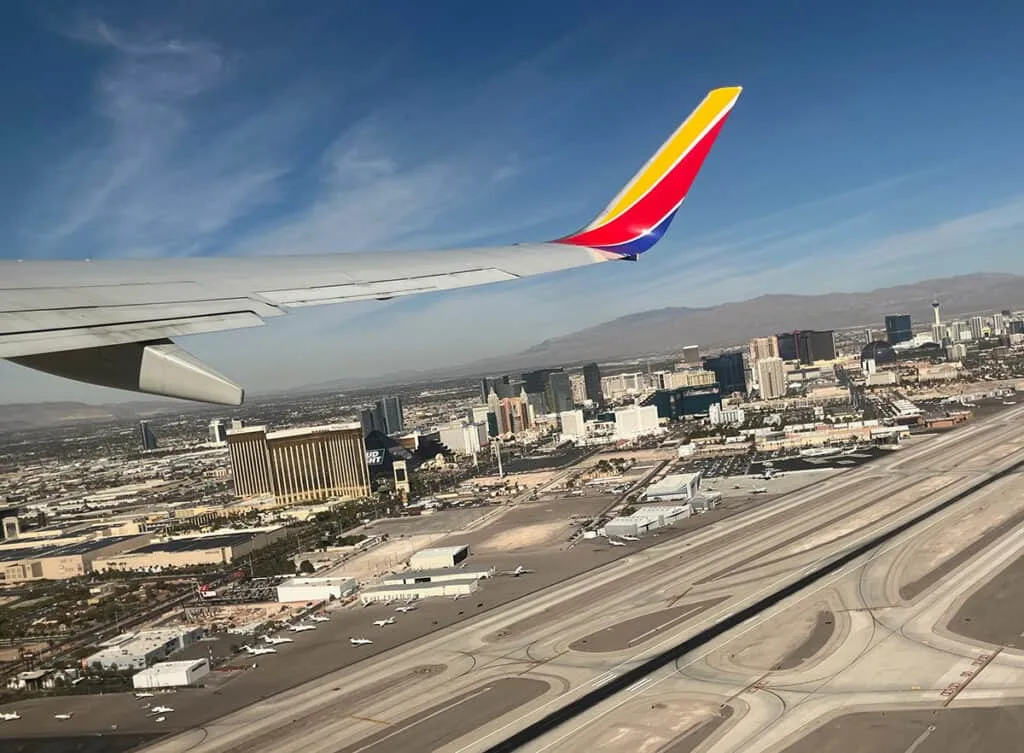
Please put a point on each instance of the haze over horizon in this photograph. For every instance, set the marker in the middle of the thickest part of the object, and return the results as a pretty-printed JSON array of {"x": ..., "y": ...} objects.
[{"x": 879, "y": 152}]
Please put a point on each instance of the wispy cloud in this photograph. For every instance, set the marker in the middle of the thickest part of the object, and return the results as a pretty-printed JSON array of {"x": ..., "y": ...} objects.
[{"x": 155, "y": 178}]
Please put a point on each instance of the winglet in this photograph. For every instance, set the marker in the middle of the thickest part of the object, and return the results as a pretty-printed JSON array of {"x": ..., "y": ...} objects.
[{"x": 639, "y": 215}]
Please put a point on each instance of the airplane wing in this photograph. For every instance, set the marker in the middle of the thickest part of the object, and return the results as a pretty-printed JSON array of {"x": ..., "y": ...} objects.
[{"x": 109, "y": 322}]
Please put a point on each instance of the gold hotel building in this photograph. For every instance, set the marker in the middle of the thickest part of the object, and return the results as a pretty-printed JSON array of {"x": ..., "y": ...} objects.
[{"x": 299, "y": 465}]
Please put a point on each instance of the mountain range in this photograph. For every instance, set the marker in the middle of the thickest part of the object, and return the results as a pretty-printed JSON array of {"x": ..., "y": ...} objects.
[
  {"x": 664, "y": 330},
  {"x": 655, "y": 332}
]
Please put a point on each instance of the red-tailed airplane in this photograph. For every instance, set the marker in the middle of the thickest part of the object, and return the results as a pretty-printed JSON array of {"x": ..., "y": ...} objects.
[{"x": 109, "y": 322}]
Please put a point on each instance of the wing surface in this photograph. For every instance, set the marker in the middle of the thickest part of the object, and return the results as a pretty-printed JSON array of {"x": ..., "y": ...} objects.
[{"x": 110, "y": 322}]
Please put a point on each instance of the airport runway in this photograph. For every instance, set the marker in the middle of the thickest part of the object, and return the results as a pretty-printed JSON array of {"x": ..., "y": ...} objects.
[
  {"x": 886, "y": 675},
  {"x": 726, "y": 697}
]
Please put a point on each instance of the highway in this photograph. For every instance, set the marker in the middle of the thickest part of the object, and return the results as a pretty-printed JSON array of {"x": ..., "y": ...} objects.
[{"x": 847, "y": 640}]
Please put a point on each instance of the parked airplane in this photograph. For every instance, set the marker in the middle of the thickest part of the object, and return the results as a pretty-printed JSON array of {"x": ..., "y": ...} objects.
[
  {"x": 64, "y": 717},
  {"x": 320, "y": 618},
  {"x": 629, "y": 538},
  {"x": 274, "y": 640},
  {"x": 406, "y": 608},
  {"x": 161, "y": 709},
  {"x": 160, "y": 719},
  {"x": 382, "y": 623},
  {"x": 259, "y": 651},
  {"x": 456, "y": 597},
  {"x": 9, "y": 716},
  {"x": 613, "y": 542},
  {"x": 360, "y": 641},
  {"x": 520, "y": 570},
  {"x": 301, "y": 628},
  {"x": 109, "y": 322}
]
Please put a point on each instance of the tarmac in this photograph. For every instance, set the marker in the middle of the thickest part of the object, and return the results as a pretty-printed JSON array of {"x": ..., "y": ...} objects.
[
  {"x": 924, "y": 731},
  {"x": 447, "y": 721},
  {"x": 759, "y": 688}
]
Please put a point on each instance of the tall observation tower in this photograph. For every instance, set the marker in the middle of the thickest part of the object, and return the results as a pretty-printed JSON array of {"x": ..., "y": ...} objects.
[{"x": 935, "y": 310}]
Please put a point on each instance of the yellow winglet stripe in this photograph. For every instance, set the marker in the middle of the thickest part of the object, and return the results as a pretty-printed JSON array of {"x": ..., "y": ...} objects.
[{"x": 715, "y": 103}]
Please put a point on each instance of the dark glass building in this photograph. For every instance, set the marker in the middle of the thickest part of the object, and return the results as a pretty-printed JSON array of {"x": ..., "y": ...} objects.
[
  {"x": 878, "y": 351},
  {"x": 729, "y": 372},
  {"x": 807, "y": 345},
  {"x": 592, "y": 383},
  {"x": 898, "y": 329},
  {"x": 788, "y": 348},
  {"x": 537, "y": 381},
  {"x": 394, "y": 416},
  {"x": 685, "y": 401},
  {"x": 559, "y": 392},
  {"x": 816, "y": 345},
  {"x": 147, "y": 436},
  {"x": 386, "y": 416}
]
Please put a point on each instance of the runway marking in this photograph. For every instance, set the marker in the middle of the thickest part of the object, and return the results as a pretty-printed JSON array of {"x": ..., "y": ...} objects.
[
  {"x": 955, "y": 688},
  {"x": 440, "y": 711},
  {"x": 602, "y": 679},
  {"x": 844, "y": 571},
  {"x": 920, "y": 739},
  {"x": 638, "y": 685},
  {"x": 653, "y": 630}
]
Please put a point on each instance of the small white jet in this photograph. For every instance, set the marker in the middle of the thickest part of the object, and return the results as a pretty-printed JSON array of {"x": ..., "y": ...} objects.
[
  {"x": 161, "y": 710},
  {"x": 360, "y": 641},
  {"x": 320, "y": 618},
  {"x": 9, "y": 717},
  {"x": 613, "y": 542},
  {"x": 382, "y": 623},
  {"x": 456, "y": 597},
  {"x": 274, "y": 640},
  {"x": 520, "y": 570},
  {"x": 301, "y": 628},
  {"x": 64, "y": 717},
  {"x": 260, "y": 651},
  {"x": 406, "y": 608},
  {"x": 160, "y": 719},
  {"x": 629, "y": 538}
]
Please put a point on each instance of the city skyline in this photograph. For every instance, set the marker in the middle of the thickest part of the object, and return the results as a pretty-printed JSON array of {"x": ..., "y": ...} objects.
[{"x": 189, "y": 136}]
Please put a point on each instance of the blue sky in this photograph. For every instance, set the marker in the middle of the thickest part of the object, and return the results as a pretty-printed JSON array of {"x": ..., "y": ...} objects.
[{"x": 872, "y": 146}]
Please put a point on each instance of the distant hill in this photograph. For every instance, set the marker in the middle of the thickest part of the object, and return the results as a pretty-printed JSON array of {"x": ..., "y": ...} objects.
[
  {"x": 666, "y": 329},
  {"x": 21, "y": 416},
  {"x": 647, "y": 333}
]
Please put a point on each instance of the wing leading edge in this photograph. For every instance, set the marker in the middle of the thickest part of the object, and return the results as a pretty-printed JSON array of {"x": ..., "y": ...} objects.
[{"x": 109, "y": 322}]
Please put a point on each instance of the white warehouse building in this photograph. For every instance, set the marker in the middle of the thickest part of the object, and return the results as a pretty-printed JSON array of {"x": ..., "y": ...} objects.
[
  {"x": 636, "y": 421},
  {"x": 645, "y": 519},
  {"x": 403, "y": 592},
  {"x": 438, "y": 575},
  {"x": 140, "y": 650},
  {"x": 172, "y": 674},
  {"x": 438, "y": 557},
  {"x": 463, "y": 438},
  {"x": 314, "y": 589},
  {"x": 574, "y": 428},
  {"x": 678, "y": 486}
]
